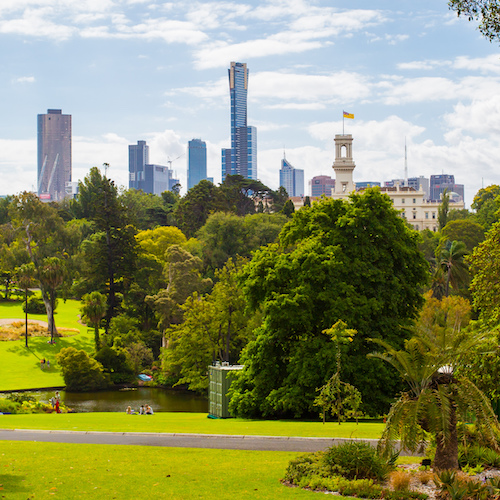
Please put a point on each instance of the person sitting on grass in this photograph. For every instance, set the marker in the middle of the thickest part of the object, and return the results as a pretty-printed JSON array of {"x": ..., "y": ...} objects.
[
  {"x": 142, "y": 410},
  {"x": 149, "y": 410}
]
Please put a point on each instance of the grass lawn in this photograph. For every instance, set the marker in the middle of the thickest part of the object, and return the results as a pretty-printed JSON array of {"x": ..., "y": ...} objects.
[
  {"x": 194, "y": 423},
  {"x": 20, "y": 367},
  {"x": 69, "y": 471}
]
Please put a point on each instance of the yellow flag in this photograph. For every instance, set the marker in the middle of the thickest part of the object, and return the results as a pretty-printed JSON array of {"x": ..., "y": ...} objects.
[{"x": 348, "y": 115}]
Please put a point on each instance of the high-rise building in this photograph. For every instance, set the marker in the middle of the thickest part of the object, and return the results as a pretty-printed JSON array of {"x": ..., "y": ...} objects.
[
  {"x": 321, "y": 184},
  {"x": 292, "y": 179},
  {"x": 138, "y": 157},
  {"x": 243, "y": 152},
  {"x": 441, "y": 182},
  {"x": 54, "y": 155},
  {"x": 197, "y": 162},
  {"x": 152, "y": 179}
]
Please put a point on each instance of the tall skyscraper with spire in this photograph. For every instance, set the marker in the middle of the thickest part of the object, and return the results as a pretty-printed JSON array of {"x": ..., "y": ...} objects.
[
  {"x": 54, "y": 155},
  {"x": 241, "y": 159}
]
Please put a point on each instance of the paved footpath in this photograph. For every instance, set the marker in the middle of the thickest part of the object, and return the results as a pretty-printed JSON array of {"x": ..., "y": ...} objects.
[{"x": 269, "y": 443}]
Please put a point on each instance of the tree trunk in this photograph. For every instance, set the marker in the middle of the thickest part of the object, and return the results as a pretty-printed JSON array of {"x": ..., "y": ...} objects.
[
  {"x": 96, "y": 337},
  {"x": 447, "y": 450},
  {"x": 26, "y": 315},
  {"x": 50, "y": 312}
]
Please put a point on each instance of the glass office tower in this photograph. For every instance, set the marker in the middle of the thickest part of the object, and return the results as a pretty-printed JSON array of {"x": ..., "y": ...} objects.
[
  {"x": 243, "y": 150},
  {"x": 292, "y": 179},
  {"x": 197, "y": 162},
  {"x": 54, "y": 155}
]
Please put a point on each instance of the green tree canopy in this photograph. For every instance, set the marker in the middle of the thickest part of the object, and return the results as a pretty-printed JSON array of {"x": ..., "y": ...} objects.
[
  {"x": 485, "y": 285},
  {"x": 354, "y": 261},
  {"x": 81, "y": 372},
  {"x": 110, "y": 253},
  {"x": 215, "y": 328},
  {"x": 467, "y": 231},
  {"x": 42, "y": 232},
  {"x": 487, "y": 12},
  {"x": 93, "y": 310},
  {"x": 156, "y": 241}
]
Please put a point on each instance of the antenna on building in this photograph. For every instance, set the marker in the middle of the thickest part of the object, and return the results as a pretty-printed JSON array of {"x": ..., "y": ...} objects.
[{"x": 406, "y": 166}]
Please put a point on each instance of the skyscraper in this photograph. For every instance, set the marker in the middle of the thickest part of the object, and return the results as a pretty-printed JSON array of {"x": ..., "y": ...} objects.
[
  {"x": 321, "y": 184},
  {"x": 152, "y": 179},
  {"x": 197, "y": 162},
  {"x": 292, "y": 179},
  {"x": 445, "y": 181},
  {"x": 243, "y": 152},
  {"x": 54, "y": 155},
  {"x": 138, "y": 157}
]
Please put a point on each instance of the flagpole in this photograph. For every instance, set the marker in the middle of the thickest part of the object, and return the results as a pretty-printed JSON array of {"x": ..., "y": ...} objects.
[{"x": 343, "y": 120}]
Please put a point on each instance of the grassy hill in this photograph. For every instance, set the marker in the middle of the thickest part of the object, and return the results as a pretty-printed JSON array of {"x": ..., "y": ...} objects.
[{"x": 20, "y": 367}]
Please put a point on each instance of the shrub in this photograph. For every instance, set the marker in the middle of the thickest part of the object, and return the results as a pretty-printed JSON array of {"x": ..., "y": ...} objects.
[
  {"x": 424, "y": 476},
  {"x": 400, "y": 480},
  {"x": 356, "y": 459},
  {"x": 477, "y": 455},
  {"x": 7, "y": 406},
  {"x": 35, "y": 306},
  {"x": 81, "y": 372}
]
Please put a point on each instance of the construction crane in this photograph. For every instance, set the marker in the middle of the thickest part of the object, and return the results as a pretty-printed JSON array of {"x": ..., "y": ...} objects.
[{"x": 169, "y": 161}]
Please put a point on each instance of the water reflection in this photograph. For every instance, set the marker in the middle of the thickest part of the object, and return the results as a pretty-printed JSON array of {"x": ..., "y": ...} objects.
[{"x": 158, "y": 399}]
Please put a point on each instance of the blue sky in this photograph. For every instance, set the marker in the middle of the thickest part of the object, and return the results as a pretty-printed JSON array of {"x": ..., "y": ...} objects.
[{"x": 129, "y": 70}]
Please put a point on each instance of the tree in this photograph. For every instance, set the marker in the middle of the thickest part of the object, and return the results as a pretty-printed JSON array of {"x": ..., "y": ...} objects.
[
  {"x": 93, "y": 310},
  {"x": 144, "y": 210},
  {"x": 193, "y": 209},
  {"x": 80, "y": 371},
  {"x": 452, "y": 261},
  {"x": 439, "y": 395},
  {"x": 444, "y": 209},
  {"x": 353, "y": 260},
  {"x": 156, "y": 241},
  {"x": 182, "y": 274},
  {"x": 226, "y": 235},
  {"x": 487, "y": 12},
  {"x": 467, "y": 231},
  {"x": 51, "y": 275},
  {"x": 485, "y": 284},
  {"x": 336, "y": 396},
  {"x": 238, "y": 194},
  {"x": 110, "y": 253},
  {"x": 42, "y": 232},
  {"x": 25, "y": 279},
  {"x": 486, "y": 204},
  {"x": 307, "y": 201},
  {"x": 215, "y": 327},
  {"x": 288, "y": 208}
]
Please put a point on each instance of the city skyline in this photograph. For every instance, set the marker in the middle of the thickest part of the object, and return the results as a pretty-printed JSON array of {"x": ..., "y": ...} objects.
[{"x": 128, "y": 69}]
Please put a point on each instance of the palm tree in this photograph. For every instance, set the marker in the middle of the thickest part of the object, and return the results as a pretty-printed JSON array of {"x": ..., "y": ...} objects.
[
  {"x": 438, "y": 395},
  {"x": 452, "y": 262},
  {"x": 93, "y": 311}
]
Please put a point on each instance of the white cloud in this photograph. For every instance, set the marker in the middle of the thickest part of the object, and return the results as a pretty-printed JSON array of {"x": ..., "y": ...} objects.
[
  {"x": 25, "y": 79},
  {"x": 488, "y": 64}
]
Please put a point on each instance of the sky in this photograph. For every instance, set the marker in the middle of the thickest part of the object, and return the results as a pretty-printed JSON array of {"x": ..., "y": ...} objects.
[{"x": 127, "y": 70}]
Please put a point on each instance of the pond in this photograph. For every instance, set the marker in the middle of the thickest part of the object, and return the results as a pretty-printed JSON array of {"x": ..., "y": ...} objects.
[{"x": 118, "y": 400}]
